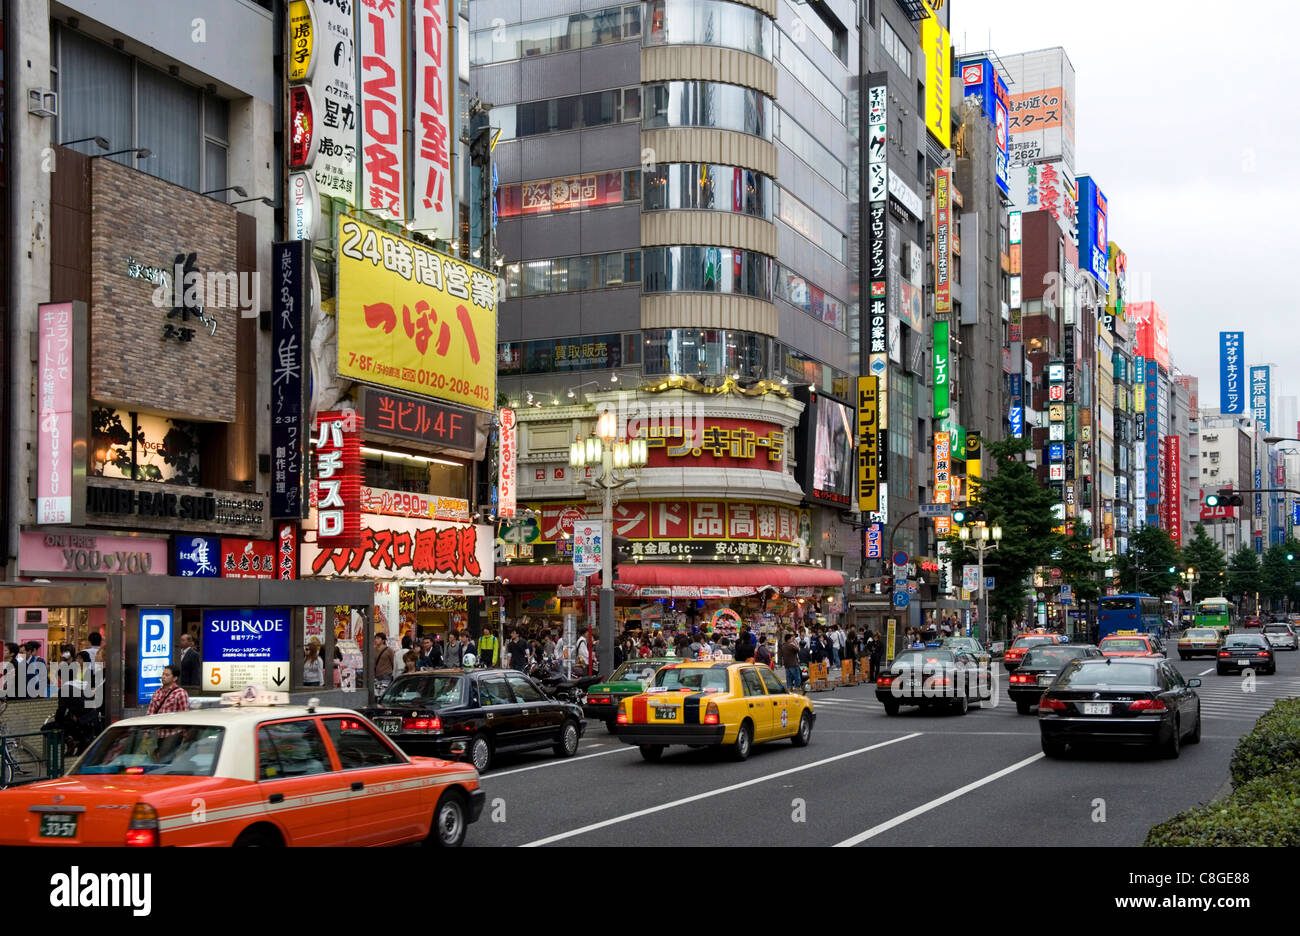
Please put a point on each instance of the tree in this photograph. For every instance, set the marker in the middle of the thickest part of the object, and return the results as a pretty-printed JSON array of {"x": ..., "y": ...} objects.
[
  {"x": 1205, "y": 556},
  {"x": 1243, "y": 575},
  {"x": 1145, "y": 568},
  {"x": 1079, "y": 569},
  {"x": 1015, "y": 500},
  {"x": 1279, "y": 572}
]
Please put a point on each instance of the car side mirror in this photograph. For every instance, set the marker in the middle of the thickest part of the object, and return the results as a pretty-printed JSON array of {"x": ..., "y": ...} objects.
[{"x": 1193, "y": 683}]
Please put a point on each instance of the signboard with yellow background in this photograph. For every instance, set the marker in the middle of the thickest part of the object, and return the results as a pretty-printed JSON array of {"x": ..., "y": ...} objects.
[
  {"x": 936, "y": 48},
  {"x": 413, "y": 319}
]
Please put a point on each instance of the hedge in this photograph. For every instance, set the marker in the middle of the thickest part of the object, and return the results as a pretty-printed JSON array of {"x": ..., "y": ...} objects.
[{"x": 1264, "y": 808}]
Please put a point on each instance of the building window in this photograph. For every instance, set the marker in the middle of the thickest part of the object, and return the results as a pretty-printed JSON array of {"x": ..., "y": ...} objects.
[
  {"x": 556, "y": 34},
  {"x": 708, "y": 22},
  {"x": 707, "y": 187},
  {"x": 708, "y": 269},
  {"x": 896, "y": 48},
  {"x": 572, "y": 274},
  {"x": 143, "y": 447},
  {"x": 105, "y": 93},
  {"x": 807, "y": 148},
  {"x": 576, "y": 112},
  {"x": 708, "y": 104},
  {"x": 810, "y": 76},
  {"x": 702, "y": 352},
  {"x": 812, "y": 226},
  {"x": 802, "y": 294}
]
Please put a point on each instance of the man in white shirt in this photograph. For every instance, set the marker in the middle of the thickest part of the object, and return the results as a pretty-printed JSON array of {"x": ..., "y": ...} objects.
[{"x": 582, "y": 652}]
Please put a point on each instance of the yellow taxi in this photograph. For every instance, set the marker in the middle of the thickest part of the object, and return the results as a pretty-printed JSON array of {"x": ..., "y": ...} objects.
[
  {"x": 1199, "y": 640},
  {"x": 714, "y": 704}
]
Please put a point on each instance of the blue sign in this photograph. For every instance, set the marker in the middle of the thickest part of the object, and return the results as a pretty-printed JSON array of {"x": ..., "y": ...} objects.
[
  {"x": 1232, "y": 390},
  {"x": 900, "y": 558},
  {"x": 1260, "y": 394},
  {"x": 1093, "y": 230},
  {"x": 1139, "y": 369},
  {"x": 155, "y": 650},
  {"x": 243, "y": 647},
  {"x": 988, "y": 583},
  {"x": 198, "y": 556},
  {"x": 901, "y": 599},
  {"x": 1295, "y": 513},
  {"x": 1016, "y": 416},
  {"x": 1153, "y": 447},
  {"x": 1056, "y": 452}
]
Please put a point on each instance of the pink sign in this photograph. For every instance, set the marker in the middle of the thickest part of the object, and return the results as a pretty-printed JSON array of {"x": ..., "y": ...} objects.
[
  {"x": 91, "y": 553},
  {"x": 434, "y": 201},
  {"x": 54, "y": 414}
]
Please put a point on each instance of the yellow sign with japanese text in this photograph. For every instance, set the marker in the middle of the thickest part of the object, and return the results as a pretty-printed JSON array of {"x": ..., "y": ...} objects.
[
  {"x": 868, "y": 444},
  {"x": 302, "y": 40},
  {"x": 414, "y": 319},
  {"x": 938, "y": 79}
]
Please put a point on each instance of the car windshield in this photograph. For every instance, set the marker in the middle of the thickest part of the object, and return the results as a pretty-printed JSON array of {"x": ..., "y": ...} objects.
[
  {"x": 961, "y": 643},
  {"x": 1033, "y": 641},
  {"x": 635, "y": 671},
  {"x": 910, "y": 658},
  {"x": 1123, "y": 643},
  {"x": 695, "y": 678},
  {"x": 175, "y": 750},
  {"x": 428, "y": 690},
  {"x": 1112, "y": 675},
  {"x": 1202, "y": 633},
  {"x": 1050, "y": 657},
  {"x": 1243, "y": 640},
  {"x": 1277, "y": 629}
]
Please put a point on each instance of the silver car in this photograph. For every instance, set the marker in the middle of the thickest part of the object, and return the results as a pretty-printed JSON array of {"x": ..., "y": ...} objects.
[{"x": 1281, "y": 636}]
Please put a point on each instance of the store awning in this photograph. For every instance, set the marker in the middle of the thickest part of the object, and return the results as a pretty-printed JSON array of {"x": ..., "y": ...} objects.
[{"x": 694, "y": 580}]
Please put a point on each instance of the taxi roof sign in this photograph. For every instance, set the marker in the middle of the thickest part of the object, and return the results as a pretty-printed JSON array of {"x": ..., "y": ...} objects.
[{"x": 254, "y": 695}]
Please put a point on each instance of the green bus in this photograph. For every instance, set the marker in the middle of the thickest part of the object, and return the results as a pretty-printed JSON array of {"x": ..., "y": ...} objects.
[{"x": 1217, "y": 613}]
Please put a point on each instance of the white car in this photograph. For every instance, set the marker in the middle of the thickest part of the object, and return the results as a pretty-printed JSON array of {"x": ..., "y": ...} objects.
[{"x": 1281, "y": 636}]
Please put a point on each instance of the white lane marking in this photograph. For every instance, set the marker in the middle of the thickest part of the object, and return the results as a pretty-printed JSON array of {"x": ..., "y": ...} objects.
[
  {"x": 935, "y": 803},
  {"x": 718, "y": 792},
  {"x": 1207, "y": 672},
  {"x": 555, "y": 763}
]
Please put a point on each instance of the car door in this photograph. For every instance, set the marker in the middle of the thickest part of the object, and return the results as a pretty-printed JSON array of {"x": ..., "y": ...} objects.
[
  {"x": 759, "y": 706},
  {"x": 299, "y": 788},
  {"x": 785, "y": 709},
  {"x": 383, "y": 791},
  {"x": 539, "y": 716},
  {"x": 503, "y": 716}
]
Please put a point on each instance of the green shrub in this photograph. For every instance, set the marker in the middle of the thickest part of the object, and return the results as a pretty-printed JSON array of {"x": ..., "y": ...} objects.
[
  {"x": 1272, "y": 745},
  {"x": 1263, "y": 812}
]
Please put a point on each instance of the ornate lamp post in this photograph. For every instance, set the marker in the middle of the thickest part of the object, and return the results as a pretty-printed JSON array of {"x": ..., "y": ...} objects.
[{"x": 979, "y": 535}]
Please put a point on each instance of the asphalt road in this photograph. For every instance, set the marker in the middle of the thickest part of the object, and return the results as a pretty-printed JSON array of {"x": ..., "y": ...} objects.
[{"x": 915, "y": 779}]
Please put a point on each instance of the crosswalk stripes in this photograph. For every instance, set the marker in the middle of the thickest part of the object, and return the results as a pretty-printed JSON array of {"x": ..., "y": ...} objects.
[{"x": 1227, "y": 699}]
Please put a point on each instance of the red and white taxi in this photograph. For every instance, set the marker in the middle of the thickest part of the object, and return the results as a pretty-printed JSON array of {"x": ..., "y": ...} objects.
[
  {"x": 1131, "y": 645},
  {"x": 255, "y": 771},
  {"x": 1020, "y": 646}
]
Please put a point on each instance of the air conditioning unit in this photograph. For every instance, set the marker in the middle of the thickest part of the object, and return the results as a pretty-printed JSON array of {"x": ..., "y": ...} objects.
[{"x": 42, "y": 102}]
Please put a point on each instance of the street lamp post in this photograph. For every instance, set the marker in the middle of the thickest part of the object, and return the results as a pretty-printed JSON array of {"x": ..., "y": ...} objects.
[
  {"x": 614, "y": 455},
  {"x": 980, "y": 535}
]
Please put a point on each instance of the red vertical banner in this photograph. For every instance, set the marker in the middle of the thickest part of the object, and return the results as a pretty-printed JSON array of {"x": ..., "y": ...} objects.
[
  {"x": 1173, "y": 487},
  {"x": 338, "y": 479},
  {"x": 286, "y": 551}
]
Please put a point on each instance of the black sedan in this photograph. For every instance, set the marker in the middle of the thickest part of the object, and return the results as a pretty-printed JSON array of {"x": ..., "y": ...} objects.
[
  {"x": 1245, "y": 651},
  {"x": 474, "y": 714},
  {"x": 933, "y": 678},
  {"x": 1038, "y": 669},
  {"x": 1138, "y": 700}
]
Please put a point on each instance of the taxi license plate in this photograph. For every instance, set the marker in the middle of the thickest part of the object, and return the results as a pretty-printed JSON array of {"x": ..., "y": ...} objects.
[
  {"x": 1096, "y": 708},
  {"x": 58, "y": 825},
  {"x": 665, "y": 712},
  {"x": 1243, "y": 662},
  {"x": 390, "y": 725},
  {"x": 1045, "y": 680}
]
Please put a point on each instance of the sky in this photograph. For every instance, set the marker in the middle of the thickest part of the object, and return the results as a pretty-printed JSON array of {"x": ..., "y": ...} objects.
[{"x": 1188, "y": 123}]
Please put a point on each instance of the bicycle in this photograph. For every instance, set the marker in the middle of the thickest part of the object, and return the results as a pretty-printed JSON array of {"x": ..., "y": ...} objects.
[{"x": 17, "y": 760}]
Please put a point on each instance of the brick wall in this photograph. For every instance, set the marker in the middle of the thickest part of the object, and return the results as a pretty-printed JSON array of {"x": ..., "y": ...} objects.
[{"x": 151, "y": 221}]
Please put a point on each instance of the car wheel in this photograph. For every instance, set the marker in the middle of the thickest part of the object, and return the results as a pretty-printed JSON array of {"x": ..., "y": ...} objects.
[
  {"x": 567, "y": 746},
  {"x": 652, "y": 752},
  {"x": 744, "y": 742},
  {"x": 962, "y": 705},
  {"x": 805, "y": 731},
  {"x": 1220, "y": 671},
  {"x": 450, "y": 821},
  {"x": 1053, "y": 748},
  {"x": 480, "y": 753},
  {"x": 257, "y": 838},
  {"x": 1182, "y": 656},
  {"x": 1195, "y": 736},
  {"x": 1174, "y": 745},
  {"x": 891, "y": 706},
  {"x": 1023, "y": 707}
]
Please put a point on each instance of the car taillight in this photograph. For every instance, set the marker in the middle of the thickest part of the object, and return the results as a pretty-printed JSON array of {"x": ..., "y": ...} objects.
[
  {"x": 711, "y": 714},
  {"x": 1262, "y": 653},
  {"x": 422, "y": 724},
  {"x": 622, "y": 718},
  {"x": 942, "y": 681},
  {"x": 598, "y": 699},
  {"x": 1018, "y": 678},
  {"x": 884, "y": 680},
  {"x": 1147, "y": 705},
  {"x": 143, "y": 830},
  {"x": 1224, "y": 653},
  {"x": 1052, "y": 705}
]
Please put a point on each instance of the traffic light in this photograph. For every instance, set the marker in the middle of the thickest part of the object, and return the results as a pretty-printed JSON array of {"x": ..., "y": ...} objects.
[
  {"x": 1225, "y": 498},
  {"x": 622, "y": 553},
  {"x": 969, "y": 515}
]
